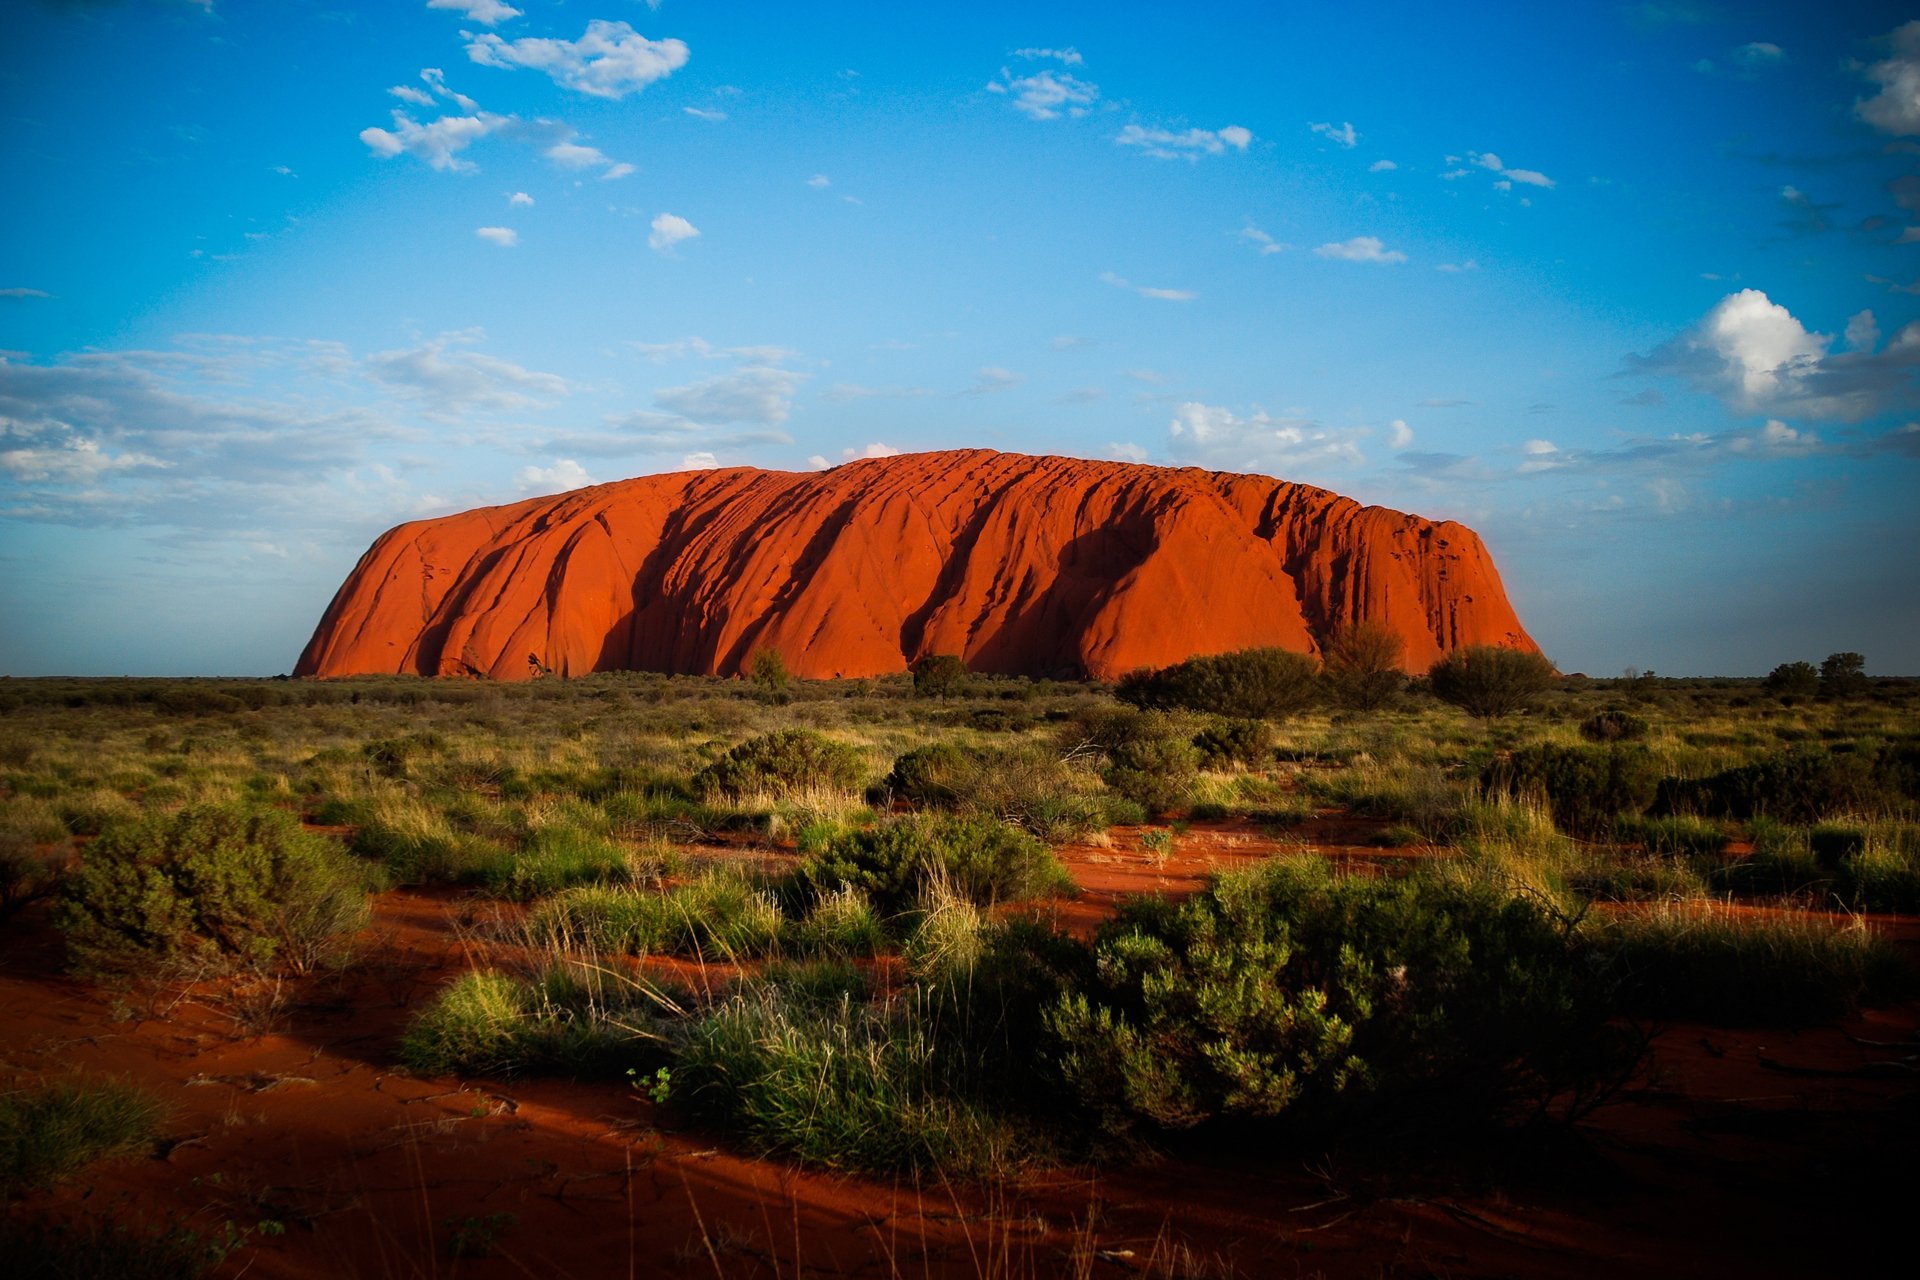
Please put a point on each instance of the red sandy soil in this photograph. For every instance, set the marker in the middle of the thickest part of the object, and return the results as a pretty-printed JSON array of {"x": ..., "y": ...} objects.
[
  {"x": 1760, "y": 1153},
  {"x": 1019, "y": 565}
]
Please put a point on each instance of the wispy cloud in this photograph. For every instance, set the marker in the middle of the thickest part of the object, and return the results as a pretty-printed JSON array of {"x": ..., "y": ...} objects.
[
  {"x": 1265, "y": 243},
  {"x": 759, "y": 394},
  {"x": 989, "y": 379},
  {"x": 18, "y": 292},
  {"x": 439, "y": 143},
  {"x": 1360, "y": 249},
  {"x": 486, "y": 12},
  {"x": 448, "y": 378},
  {"x": 1145, "y": 291},
  {"x": 1046, "y": 95},
  {"x": 505, "y": 237},
  {"x": 1068, "y": 56},
  {"x": 1382, "y": 166},
  {"x": 1342, "y": 135},
  {"x": 705, "y": 113},
  {"x": 562, "y": 475},
  {"x": 1258, "y": 440},
  {"x": 1189, "y": 144},
  {"x": 611, "y": 60}
]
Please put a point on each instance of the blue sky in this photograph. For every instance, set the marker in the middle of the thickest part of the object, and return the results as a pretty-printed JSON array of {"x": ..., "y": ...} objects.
[{"x": 1627, "y": 288}]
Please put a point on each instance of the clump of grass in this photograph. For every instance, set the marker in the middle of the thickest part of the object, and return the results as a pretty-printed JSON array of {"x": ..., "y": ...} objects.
[
  {"x": 842, "y": 922},
  {"x": 723, "y": 913},
  {"x": 949, "y": 938},
  {"x": 572, "y": 1014},
  {"x": 1732, "y": 967},
  {"x": 50, "y": 1133},
  {"x": 417, "y": 844},
  {"x": 1678, "y": 836},
  {"x": 557, "y": 857},
  {"x": 893, "y": 862}
]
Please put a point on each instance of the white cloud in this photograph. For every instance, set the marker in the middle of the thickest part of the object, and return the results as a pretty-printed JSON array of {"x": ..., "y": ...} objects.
[
  {"x": 758, "y": 394},
  {"x": 1266, "y": 242},
  {"x": 610, "y": 61},
  {"x": 407, "y": 93},
  {"x": 819, "y": 182},
  {"x": 848, "y": 392},
  {"x": 1126, "y": 452},
  {"x": 1399, "y": 434},
  {"x": 661, "y": 352},
  {"x": 1360, "y": 249},
  {"x": 1165, "y": 144},
  {"x": 69, "y": 459},
  {"x": 487, "y": 12},
  {"x": 563, "y": 475},
  {"x": 1068, "y": 56},
  {"x": 1896, "y": 108},
  {"x": 874, "y": 450},
  {"x": 24, "y": 293},
  {"x": 701, "y": 461},
  {"x": 1455, "y": 267},
  {"x": 1382, "y": 166},
  {"x": 439, "y": 143},
  {"x": 615, "y": 171},
  {"x": 519, "y": 200},
  {"x": 668, "y": 230},
  {"x": 1047, "y": 95},
  {"x": 1218, "y": 436},
  {"x": 1145, "y": 291},
  {"x": 1488, "y": 160},
  {"x": 575, "y": 155},
  {"x": 450, "y": 380},
  {"x": 1863, "y": 332},
  {"x": 505, "y": 237},
  {"x": 436, "y": 79},
  {"x": 1343, "y": 135},
  {"x": 705, "y": 113}
]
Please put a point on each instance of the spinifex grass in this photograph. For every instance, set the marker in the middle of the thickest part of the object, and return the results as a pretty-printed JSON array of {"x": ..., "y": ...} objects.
[{"x": 50, "y": 1133}]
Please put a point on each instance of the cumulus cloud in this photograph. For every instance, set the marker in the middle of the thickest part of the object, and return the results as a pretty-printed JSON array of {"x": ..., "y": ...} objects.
[
  {"x": 450, "y": 379},
  {"x": 563, "y": 475},
  {"x": 610, "y": 60},
  {"x": 1126, "y": 451},
  {"x": 1215, "y": 434},
  {"x": 1190, "y": 144},
  {"x": 1895, "y": 109},
  {"x": 1863, "y": 332},
  {"x": 1758, "y": 55},
  {"x": 1360, "y": 249},
  {"x": 1046, "y": 95},
  {"x": 520, "y": 200},
  {"x": 1382, "y": 166},
  {"x": 819, "y": 182},
  {"x": 1399, "y": 434},
  {"x": 1759, "y": 358},
  {"x": 704, "y": 460},
  {"x": 486, "y": 12},
  {"x": 438, "y": 143},
  {"x": 1343, "y": 135},
  {"x": 1147, "y": 291},
  {"x": 505, "y": 237},
  {"x": 668, "y": 230},
  {"x": 758, "y": 394},
  {"x": 407, "y": 93}
]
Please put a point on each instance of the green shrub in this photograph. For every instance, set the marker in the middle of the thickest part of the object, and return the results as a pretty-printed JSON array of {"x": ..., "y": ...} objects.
[
  {"x": 768, "y": 671},
  {"x": 781, "y": 764},
  {"x": 1843, "y": 675},
  {"x": 554, "y": 858},
  {"x": 1798, "y": 784},
  {"x": 1028, "y": 786},
  {"x": 722, "y": 913},
  {"x": 1489, "y": 681},
  {"x": 1588, "y": 788},
  {"x": 1226, "y": 742},
  {"x": 50, "y": 1133},
  {"x": 1793, "y": 681},
  {"x": 939, "y": 675},
  {"x": 1613, "y": 725},
  {"x": 1158, "y": 774},
  {"x": 211, "y": 883},
  {"x": 1248, "y": 683},
  {"x": 1361, "y": 666},
  {"x": 984, "y": 859},
  {"x": 1287, "y": 993},
  {"x": 490, "y": 1024}
]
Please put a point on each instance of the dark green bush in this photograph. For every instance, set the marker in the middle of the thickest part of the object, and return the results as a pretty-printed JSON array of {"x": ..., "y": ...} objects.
[
  {"x": 1157, "y": 774},
  {"x": 1290, "y": 994},
  {"x": 1488, "y": 680},
  {"x": 781, "y": 764},
  {"x": 1248, "y": 684},
  {"x": 1792, "y": 681},
  {"x": 1588, "y": 788},
  {"x": 1613, "y": 725},
  {"x": 1800, "y": 785},
  {"x": 985, "y": 859},
  {"x": 939, "y": 675},
  {"x": 211, "y": 884},
  {"x": 1361, "y": 666},
  {"x": 1226, "y": 742},
  {"x": 933, "y": 775}
]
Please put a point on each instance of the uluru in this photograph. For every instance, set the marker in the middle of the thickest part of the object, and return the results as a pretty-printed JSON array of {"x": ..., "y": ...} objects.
[{"x": 1040, "y": 566}]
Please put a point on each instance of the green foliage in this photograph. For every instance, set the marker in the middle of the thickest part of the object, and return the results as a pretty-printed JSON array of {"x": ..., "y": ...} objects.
[
  {"x": 1792, "y": 681},
  {"x": 557, "y": 857},
  {"x": 1587, "y": 788},
  {"x": 1489, "y": 681},
  {"x": 1026, "y": 785},
  {"x": 768, "y": 671},
  {"x": 723, "y": 913},
  {"x": 939, "y": 675},
  {"x": 211, "y": 884},
  {"x": 1156, "y": 773},
  {"x": 1843, "y": 675},
  {"x": 1361, "y": 665},
  {"x": 492, "y": 1024},
  {"x": 1613, "y": 725},
  {"x": 983, "y": 859},
  {"x": 843, "y": 923},
  {"x": 1249, "y": 683},
  {"x": 1798, "y": 784},
  {"x": 1677, "y": 836},
  {"x": 780, "y": 764},
  {"x": 1226, "y": 742},
  {"x": 50, "y": 1133},
  {"x": 934, "y": 775},
  {"x": 1286, "y": 993}
]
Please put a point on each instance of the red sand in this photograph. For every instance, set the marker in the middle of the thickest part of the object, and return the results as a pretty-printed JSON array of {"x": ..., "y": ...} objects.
[
  {"x": 1020, "y": 565},
  {"x": 1756, "y": 1153}
]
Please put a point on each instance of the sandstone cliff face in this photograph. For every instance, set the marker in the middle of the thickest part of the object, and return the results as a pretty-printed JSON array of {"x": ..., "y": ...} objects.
[{"x": 1039, "y": 566}]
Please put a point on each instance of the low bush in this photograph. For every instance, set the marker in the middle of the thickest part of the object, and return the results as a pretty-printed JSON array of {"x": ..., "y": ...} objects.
[
  {"x": 721, "y": 914},
  {"x": 1680, "y": 836},
  {"x": 1264, "y": 683},
  {"x": 493, "y": 1024},
  {"x": 1361, "y": 668},
  {"x": 1798, "y": 784},
  {"x": 50, "y": 1133},
  {"x": 211, "y": 884},
  {"x": 782, "y": 764},
  {"x": 557, "y": 857},
  {"x": 1225, "y": 742},
  {"x": 1156, "y": 774},
  {"x": 1613, "y": 725},
  {"x": 1489, "y": 681},
  {"x": 1028, "y": 786},
  {"x": 1290, "y": 994},
  {"x": 1588, "y": 788},
  {"x": 983, "y": 859}
]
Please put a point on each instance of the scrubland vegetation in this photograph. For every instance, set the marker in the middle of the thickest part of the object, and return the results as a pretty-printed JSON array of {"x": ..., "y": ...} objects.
[{"x": 863, "y": 875}]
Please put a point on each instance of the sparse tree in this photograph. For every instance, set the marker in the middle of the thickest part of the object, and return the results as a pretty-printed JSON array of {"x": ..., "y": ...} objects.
[
  {"x": 1362, "y": 665},
  {"x": 769, "y": 671},
  {"x": 1843, "y": 675},
  {"x": 939, "y": 675},
  {"x": 1791, "y": 681},
  {"x": 1487, "y": 681}
]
